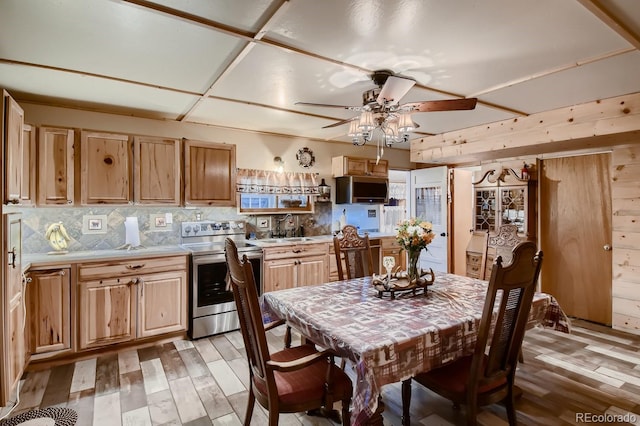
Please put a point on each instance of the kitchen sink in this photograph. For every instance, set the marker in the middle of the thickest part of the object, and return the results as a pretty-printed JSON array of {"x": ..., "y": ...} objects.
[{"x": 286, "y": 240}]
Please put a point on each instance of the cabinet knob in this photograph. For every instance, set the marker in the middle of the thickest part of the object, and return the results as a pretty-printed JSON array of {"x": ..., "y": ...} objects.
[{"x": 607, "y": 247}]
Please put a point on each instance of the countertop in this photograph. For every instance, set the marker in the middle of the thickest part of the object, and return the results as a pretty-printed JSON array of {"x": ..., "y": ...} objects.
[
  {"x": 43, "y": 260},
  {"x": 40, "y": 260}
]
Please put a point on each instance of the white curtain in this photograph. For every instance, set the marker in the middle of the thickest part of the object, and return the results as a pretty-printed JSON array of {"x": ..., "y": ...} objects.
[{"x": 272, "y": 182}]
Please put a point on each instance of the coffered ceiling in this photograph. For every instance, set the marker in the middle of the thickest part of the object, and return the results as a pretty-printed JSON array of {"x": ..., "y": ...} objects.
[{"x": 245, "y": 63}]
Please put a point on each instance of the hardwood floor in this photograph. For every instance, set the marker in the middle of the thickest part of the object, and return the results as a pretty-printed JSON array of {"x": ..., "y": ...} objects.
[{"x": 566, "y": 379}]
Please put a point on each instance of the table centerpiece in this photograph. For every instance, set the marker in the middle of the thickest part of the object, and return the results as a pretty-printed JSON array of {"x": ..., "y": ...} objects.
[{"x": 414, "y": 235}]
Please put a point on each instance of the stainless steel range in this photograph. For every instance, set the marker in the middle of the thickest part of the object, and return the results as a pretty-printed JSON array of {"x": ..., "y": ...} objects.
[{"x": 213, "y": 309}]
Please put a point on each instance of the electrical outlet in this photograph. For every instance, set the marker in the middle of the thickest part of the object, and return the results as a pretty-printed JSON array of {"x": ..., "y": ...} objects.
[{"x": 264, "y": 222}]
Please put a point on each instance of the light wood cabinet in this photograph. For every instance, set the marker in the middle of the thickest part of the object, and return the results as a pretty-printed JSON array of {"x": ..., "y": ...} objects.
[
  {"x": 28, "y": 180},
  {"x": 13, "y": 332},
  {"x": 49, "y": 313},
  {"x": 355, "y": 166},
  {"x": 122, "y": 301},
  {"x": 503, "y": 200},
  {"x": 55, "y": 166},
  {"x": 295, "y": 265},
  {"x": 107, "y": 312},
  {"x": 210, "y": 174},
  {"x": 106, "y": 169},
  {"x": 13, "y": 117},
  {"x": 157, "y": 171}
]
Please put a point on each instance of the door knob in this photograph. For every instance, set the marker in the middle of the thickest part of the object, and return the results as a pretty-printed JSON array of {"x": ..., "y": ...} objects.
[
  {"x": 607, "y": 247},
  {"x": 444, "y": 234}
]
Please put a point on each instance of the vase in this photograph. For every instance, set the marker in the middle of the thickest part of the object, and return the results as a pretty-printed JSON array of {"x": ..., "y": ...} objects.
[{"x": 412, "y": 270}]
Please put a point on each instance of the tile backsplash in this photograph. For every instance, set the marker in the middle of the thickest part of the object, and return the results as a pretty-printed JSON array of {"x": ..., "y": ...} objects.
[{"x": 36, "y": 220}]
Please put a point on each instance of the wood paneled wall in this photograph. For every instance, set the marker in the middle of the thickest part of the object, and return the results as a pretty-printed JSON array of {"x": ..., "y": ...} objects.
[{"x": 625, "y": 194}]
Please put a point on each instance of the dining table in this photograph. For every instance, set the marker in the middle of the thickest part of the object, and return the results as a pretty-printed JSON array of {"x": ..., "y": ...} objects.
[{"x": 389, "y": 339}]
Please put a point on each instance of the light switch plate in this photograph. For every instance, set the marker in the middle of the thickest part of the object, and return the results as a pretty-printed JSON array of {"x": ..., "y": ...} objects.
[{"x": 94, "y": 224}]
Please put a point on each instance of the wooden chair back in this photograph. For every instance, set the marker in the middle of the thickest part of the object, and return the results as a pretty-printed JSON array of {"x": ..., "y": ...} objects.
[
  {"x": 242, "y": 282},
  {"x": 355, "y": 252},
  {"x": 501, "y": 244},
  {"x": 516, "y": 283}
]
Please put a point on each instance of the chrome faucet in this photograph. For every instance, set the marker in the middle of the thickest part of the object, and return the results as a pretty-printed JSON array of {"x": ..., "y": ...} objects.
[{"x": 279, "y": 232}]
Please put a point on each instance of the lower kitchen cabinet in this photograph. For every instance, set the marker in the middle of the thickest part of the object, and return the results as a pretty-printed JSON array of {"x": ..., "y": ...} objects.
[
  {"x": 107, "y": 312},
  {"x": 49, "y": 313},
  {"x": 295, "y": 266},
  {"x": 122, "y": 301},
  {"x": 162, "y": 307},
  {"x": 391, "y": 247}
]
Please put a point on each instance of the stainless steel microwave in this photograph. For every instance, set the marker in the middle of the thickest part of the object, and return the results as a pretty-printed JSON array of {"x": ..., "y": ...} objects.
[{"x": 362, "y": 189}]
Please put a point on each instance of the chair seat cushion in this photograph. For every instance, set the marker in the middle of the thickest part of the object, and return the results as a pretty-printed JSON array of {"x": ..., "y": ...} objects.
[
  {"x": 453, "y": 378},
  {"x": 306, "y": 384}
]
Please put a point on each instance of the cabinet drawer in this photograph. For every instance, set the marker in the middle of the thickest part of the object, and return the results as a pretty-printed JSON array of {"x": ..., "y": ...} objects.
[
  {"x": 473, "y": 271},
  {"x": 295, "y": 251},
  {"x": 389, "y": 243},
  {"x": 474, "y": 259},
  {"x": 93, "y": 271}
]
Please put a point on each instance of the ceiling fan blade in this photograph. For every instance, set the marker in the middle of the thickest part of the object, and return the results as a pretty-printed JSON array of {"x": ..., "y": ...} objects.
[
  {"x": 340, "y": 123},
  {"x": 348, "y": 107},
  {"x": 442, "y": 105},
  {"x": 394, "y": 89}
]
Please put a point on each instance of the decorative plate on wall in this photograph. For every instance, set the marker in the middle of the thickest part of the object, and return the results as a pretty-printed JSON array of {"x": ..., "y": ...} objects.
[{"x": 305, "y": 157}]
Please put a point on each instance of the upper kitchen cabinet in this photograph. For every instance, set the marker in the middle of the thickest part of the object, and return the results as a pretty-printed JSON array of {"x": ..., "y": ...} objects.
[
  {"x": 106, "y": 169},
  {"x": 55, "y": 167},
  {"x": 28, "y": 183},
  {"x": 13, "y": 139},
  {"x": 509, "y": 198},
  {"x": 156, "y": 171},
  {"x": 354, "y": 166},
  {"x": 210, "y": 174}
]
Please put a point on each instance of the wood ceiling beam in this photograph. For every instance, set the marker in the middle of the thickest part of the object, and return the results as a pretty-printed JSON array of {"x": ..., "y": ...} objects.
[
  {"x": 596, "y": 7},
  {"x": 595, "y": 124}
]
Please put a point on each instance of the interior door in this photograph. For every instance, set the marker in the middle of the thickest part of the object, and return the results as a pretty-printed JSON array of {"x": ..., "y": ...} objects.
[
  {"x": 575, "y": 233},
  {"x": 429, "y": 201}
]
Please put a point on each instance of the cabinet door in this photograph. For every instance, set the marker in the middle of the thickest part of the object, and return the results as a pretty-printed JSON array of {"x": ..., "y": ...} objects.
[
  {"x": 14, "y": 120},
  {"x": 279, "y": 274},
  {"x": 49, "y": 295},
  {"x": 106, "y": 169},
  {"x": 311, "y": 271},
  {"x": 485, "y": 207},
  {"x": 55, "y": 167},
  {"x": 12, "y": 341},
  {"x": 381, "y": 169},
  {"x": 356, "y": 166},
  {"x": 28, "y": 180},
  {"x": 210, "y": 174},
  {"x": 107, "y": 312},
  {"x": 163, "y": 303},
  {"x": 156, "y": 171}
]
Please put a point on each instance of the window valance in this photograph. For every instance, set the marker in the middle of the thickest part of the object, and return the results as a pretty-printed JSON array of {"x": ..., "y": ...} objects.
[{"x": 272, "y": 182}]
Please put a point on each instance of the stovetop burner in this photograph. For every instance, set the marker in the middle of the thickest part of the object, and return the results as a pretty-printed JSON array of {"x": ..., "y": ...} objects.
[{"x": 207, "y": 237}]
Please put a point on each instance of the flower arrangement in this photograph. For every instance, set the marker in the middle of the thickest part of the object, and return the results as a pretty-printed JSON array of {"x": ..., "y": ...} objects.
[{"x": 415, "y": 234}]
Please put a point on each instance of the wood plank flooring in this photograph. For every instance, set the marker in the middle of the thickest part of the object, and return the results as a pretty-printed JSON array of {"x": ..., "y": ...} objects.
[{"x": 566, "y": 379}]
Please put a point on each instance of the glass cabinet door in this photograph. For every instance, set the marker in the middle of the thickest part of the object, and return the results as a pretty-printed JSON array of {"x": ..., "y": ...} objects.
[
  {"x": 513, "y": 211},
  {"x": 485, "y": 205}
]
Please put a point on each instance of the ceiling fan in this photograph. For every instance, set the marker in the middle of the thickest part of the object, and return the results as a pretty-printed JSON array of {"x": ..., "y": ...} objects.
[{"x": 381, "y": 109}]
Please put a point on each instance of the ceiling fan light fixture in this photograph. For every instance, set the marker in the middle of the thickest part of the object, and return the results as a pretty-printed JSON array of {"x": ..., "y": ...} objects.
[
  {"x": 366, "y": 121},
  {"x": 354, "y": 129},
  {"x": 405, "y": 123}
]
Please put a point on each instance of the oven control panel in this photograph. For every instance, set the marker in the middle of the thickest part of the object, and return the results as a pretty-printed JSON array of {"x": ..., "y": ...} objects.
[{"x": 203, "y": 229}]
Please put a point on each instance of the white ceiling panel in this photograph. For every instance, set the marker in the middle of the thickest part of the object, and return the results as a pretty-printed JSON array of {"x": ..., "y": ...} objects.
[
  {"x": 461, "y": 46},
  {"x": 599, "y": 80},
  {"x": 114, "y": 39},
  {"x": 75, "y": 89},
  {"x": 256, "y": 58},
  {"x": 242, "y": 14},
  {"x": 238, "y": 115}
]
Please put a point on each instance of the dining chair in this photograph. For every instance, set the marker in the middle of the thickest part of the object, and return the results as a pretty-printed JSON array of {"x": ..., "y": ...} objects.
[
  {"x": 487, "y": 376},
  {"x": 288, "y": 381},
  {"x": 355, "y": 251}
]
